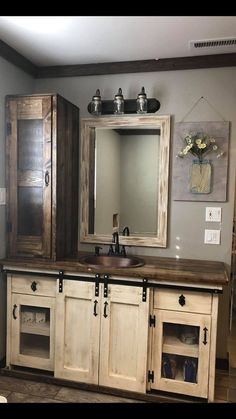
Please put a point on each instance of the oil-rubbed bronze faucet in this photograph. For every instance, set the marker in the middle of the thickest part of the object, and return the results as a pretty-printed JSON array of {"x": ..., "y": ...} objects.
[{"x": 125, "y": 231}]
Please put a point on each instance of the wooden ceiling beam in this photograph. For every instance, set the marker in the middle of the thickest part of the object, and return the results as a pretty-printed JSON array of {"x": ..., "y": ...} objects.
[
  {"x": 11, "y": 55},
  {"x": 120, "y": 67}
]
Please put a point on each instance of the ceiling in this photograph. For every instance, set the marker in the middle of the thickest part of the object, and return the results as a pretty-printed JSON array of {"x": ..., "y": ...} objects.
[{"x": 70, "y": 40}]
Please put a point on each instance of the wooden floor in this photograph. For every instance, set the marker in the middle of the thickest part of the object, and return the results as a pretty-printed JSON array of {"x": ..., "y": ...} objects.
[{"x": 18, "y": 390}]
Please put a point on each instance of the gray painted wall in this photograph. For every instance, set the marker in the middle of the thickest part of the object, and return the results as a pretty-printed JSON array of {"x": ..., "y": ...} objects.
[
  {"x": 177, "y": 92},
  {"x": 12, "y": 81}
]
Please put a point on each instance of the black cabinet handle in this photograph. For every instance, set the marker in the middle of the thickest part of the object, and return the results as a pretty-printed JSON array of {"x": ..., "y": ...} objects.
[
  {"x": 34, "y": 286},
  {"x": 205, "y": 330},
  {"x": 14, "y": 312},
  {"x": 105, "y": 309},
  {"x": 94, "y": 308},
  {"x": 46, "y": 178}
]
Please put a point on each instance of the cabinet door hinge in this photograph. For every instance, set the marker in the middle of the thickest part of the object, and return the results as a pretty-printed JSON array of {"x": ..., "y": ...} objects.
[
  {"x": 151, "y": 376},
  {"x": 9, "y": 227},
  {"x": 61, "y": 274},
  {"x": 152, "y": 321},
  {"x": 8, "y": 128}
]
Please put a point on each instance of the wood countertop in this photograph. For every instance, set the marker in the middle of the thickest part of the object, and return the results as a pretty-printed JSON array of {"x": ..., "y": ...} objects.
[{"x": 189, "y": 271}]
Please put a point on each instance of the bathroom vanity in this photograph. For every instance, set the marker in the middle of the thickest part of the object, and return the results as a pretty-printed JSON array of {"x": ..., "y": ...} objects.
[{"x": 137, "y": 329}]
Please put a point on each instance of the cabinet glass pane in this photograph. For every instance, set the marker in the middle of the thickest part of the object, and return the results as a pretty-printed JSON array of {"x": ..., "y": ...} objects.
[
  {"x": 30, "y": 211},
  {"x": 35, "y": 331},
  {"x": 180, "y": 352},
  {"x": 30, "y": 144}
]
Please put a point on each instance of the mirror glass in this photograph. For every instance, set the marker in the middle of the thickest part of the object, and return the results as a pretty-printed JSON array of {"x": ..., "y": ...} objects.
[{"x": 124, "y": 179}]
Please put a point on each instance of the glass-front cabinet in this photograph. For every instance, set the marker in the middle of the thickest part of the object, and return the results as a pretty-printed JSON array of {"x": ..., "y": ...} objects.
[
  {"x": 29, "y": 142},
  {"x": 41, "y": 176},
  {"x": 181, "y": 342},
  {"x": 182, "y": 353},
  {"x": 31, "y": 321},
  {"x": 32, "y": 331}
]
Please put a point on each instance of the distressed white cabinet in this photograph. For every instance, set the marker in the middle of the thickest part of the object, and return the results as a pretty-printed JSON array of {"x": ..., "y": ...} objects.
[
  {"x": 183, "y": 342},
  {"x": 31, "y": 321},
  {"x": 115, "y": 332},
  {"x": 102, "y": 339}
]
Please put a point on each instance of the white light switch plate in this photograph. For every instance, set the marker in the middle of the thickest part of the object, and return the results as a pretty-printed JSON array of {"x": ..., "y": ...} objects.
[
  {"x": 2, "y": 196},
  {"x": 212, "y": 237},
  {"x": 213, "y": 214}
]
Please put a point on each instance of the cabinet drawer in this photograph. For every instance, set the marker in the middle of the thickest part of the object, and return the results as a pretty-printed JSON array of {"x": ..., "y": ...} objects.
[
  {"x": 34, "y": 285},
  {"x": 181, "y": 300}
]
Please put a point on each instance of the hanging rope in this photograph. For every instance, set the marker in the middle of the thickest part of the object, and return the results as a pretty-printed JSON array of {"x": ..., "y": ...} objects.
[{"x": 196, "y": 103}]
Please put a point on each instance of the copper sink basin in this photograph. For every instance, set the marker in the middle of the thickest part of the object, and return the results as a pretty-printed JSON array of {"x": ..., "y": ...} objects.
[{"x": 112, "y": 261}]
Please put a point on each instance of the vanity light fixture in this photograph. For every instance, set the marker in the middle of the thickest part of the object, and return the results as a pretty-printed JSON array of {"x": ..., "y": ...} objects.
[
  {"x": 120, "y": 106},
  {"x": 142, "y": 102},
  {"x": 96, "y": 104}
]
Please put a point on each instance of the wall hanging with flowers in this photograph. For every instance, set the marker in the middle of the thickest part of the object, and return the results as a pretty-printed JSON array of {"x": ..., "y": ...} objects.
[{"x": 200, "y": 161}]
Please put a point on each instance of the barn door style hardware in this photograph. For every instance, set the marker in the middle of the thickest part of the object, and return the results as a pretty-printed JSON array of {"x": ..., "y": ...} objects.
[
  {"x": 61, "y": 276},
  {"x": 144, "y": 295},
  {"x": 97, "y": 279},
  {"x": 105, "y": 292}
]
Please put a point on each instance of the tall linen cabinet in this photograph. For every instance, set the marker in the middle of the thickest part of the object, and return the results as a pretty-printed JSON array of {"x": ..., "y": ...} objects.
[{"x": 42, "y": 137}]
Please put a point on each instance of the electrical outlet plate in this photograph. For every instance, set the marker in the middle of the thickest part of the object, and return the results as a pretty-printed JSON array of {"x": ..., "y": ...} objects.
[
  {"x": 213, "y": 214},
  {"x": 2, "y": 196},
  {"x": 212, "y": 237}
]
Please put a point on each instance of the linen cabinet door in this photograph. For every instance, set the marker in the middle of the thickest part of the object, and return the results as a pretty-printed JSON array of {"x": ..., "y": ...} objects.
[
  {"x": 77, "y": 332},
  {"x": 28, "y": 143},
  {"x": 124, "y": 336}
]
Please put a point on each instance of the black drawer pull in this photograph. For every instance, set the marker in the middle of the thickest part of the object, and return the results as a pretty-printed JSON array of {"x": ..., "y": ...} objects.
[
  {"x": 105, "y": 309},
  {"x": 94, "y": 308},
  {"x": 34, "y": 286},
  {"x": 14, "y": 312},
  {"x": 205, "y": 330},
  {"x": 182, "y": 300}
]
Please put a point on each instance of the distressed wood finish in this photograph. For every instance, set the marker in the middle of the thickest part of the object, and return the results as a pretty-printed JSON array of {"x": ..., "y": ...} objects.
[
  {"x": 212, "y": 364},
  {"x": 116, "y": 347},
  {"x": 139, "y": 66},
  {"x": 198, "y": 303},
  {"x": 39, "y": 355},
  {"x": 77, "y": 333},
  {"x": 87, "y": 133},
  {"x": 156, "y": 269},
  {"x": 108, "y": 350},
  {"x": 52, "y": 185},
  {"x": 124, "y": 339},
  {"x": 178, "y": 385},
  {"x": 17, "y": 59},
  {"x": 28, "y": 109}
]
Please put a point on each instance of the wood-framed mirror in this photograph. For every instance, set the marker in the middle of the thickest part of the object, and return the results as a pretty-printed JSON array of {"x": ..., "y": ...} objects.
[{"x": 124, "y": 169}]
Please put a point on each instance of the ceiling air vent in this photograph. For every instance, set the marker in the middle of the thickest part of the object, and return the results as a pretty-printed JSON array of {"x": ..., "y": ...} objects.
[{"x": 213, "y": 45}]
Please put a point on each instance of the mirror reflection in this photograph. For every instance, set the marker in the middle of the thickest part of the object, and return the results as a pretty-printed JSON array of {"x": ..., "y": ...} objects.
[
  {"x": 125, "y": 188},
  {"x": 124, "y": 179}
]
